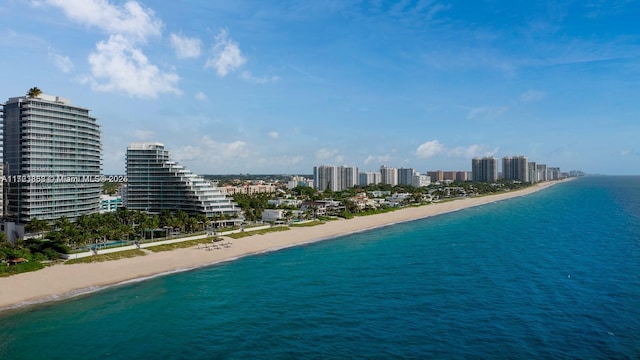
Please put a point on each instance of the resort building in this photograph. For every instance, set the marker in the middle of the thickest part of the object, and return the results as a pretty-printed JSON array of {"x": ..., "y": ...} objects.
[
  {"x": 484, "y": 169},
  {"x": 157, "y": 183},
  {"x": 52, "y": 159}
]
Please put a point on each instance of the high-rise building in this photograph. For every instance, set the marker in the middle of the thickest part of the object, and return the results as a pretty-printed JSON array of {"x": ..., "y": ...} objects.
[
  {"x": 1, "y": 192},
  {"x": 369, "y": 178},
  {"x": 541, "y": 170},
  {"x": 325, "y": 177},
  {"x": 156, "y": 183},
  {"x": 389, "y": 175},
  {"x": 348, "y": 177},
  {"x": 405, "y": 176},
  {"x": 52, "y": 159},
  {"x": 533, "y": 173},
  {"x": 515, "y": 168},
  {"x": 553, "y": 173},
  {"x": 335, "y": 178},
  {"x": 484, "y": 169},
  {"x": 436, "y": 176}
]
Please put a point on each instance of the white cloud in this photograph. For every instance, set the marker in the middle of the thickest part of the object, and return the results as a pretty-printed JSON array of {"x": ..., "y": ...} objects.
[
  {"x": 63, "y": 63},
  {"x": 129, "y": 19},
  {"x": 246, "y": 75},
  {"x": 226, "y": 55},
  {"x": 383, "y": 159},
  {"x": 209, "y": 151},
  {"x": 201, "y": 96},
  {"x": 429, "y": 149},
  {"x": 185, "y": 47},
  {"x": 434, "y": 147},
  {"x": 486, "y": 112},
  {"x": 325, "y": 154},
  {"x": 274, "y": 134},
  {"x": 472, "y": 151},
  {"x": 532, "y": 96},
  {"x": 117, "y": 65}
]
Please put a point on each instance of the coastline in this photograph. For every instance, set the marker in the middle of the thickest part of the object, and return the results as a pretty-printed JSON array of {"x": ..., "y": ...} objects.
[{"x": 59, "y": 282}]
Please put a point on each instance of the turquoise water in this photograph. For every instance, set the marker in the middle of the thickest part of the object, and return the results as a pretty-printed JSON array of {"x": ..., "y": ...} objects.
[{"x": 552, "y": 275}]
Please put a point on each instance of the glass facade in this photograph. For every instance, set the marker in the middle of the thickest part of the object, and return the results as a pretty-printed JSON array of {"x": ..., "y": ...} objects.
[
  {"x": 52, "y": 159},
  {"x": 155, "y": 183}
]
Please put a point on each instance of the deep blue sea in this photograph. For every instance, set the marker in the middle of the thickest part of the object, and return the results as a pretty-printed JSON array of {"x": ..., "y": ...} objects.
[{"x": 552, "y": 275}]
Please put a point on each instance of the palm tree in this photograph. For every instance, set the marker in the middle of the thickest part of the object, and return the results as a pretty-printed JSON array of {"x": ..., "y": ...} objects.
[{"x": 34, "y": 92}]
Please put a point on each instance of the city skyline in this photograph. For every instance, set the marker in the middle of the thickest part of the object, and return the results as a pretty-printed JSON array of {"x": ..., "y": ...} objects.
[{"x": 249, "y": 87}]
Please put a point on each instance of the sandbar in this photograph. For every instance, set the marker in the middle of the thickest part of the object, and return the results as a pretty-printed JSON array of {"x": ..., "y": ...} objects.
[{"x": 62, "y": 281}]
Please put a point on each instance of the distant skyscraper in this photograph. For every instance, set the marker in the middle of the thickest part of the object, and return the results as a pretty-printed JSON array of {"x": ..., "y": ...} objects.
[
  {"x": 157, "y": 183},
  {"x": 541, "y": 169},
  {"x": 52, "y": 159},
  {"x": 389, "y": 175},
  {"x": 335, "y": 178},
  {"x": 484, "y": 169},
  {"x": 369, "y": 178},
  {"x": 325, "y": 177},
  {"x": 436, "y": 176},
  {"x": 405, "y": 176},
  {"x": 533, "y": 173},
  {"x": 348, "y": 177},
  {"x": 515, "y": 168}
]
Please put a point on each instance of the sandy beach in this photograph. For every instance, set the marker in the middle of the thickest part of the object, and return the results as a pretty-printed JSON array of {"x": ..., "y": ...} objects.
[{"x": 62, "y": 281}]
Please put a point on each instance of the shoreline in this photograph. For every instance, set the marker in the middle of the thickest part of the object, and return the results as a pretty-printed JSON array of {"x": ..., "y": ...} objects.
[{"x": 61, "y": 281}]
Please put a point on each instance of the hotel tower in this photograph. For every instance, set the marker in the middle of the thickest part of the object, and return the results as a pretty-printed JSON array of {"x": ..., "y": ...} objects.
[{"x": 52, "y": 159}]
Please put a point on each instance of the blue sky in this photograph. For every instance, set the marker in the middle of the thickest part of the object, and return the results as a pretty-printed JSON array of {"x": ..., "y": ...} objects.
[{"x": 281, "y": 86}]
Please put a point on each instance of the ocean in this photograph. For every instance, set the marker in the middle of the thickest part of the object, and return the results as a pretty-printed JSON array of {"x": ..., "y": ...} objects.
[{"x": 552, "y": 275}]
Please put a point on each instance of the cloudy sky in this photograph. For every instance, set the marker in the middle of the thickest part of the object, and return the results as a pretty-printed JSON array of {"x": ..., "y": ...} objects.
[{"x": 281, "y": 86}]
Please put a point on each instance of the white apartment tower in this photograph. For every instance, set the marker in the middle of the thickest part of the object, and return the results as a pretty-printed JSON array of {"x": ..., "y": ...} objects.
[
  {"x": 335, "y": 178},
  {"x": 515, "y": 168},
  {"x": 484, "y": 169},
  {"x": 389, "y": 175},
  {"x": 52, "y": 159}
]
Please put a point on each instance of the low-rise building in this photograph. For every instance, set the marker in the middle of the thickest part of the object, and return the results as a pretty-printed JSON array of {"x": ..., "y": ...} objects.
[{"x": 109, "y": 203}]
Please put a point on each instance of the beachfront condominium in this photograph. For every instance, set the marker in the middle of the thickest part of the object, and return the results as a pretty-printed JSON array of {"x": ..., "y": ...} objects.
[
  {"x": 335, "y": 178},
  {"x": 156, "y": 183},
  {"x": 533, "y": 173},
  {"x": 370, "y": 178},
  {"x": 484, "y": 169},
  {"x": 405, "y": 176},
  {"x": 52, "y": 159},
  {"x": 389, "y": 175},
  {"x": 515, "y": 168}
]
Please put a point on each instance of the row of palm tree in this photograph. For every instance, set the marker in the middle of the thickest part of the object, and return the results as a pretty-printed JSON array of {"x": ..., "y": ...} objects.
[{"x": 122, "y": 224}]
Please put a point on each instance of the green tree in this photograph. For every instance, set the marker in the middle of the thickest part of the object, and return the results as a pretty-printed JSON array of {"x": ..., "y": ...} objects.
[
  {"x": 37, "y": 225},
  {"x": 34, "y": 92}
]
